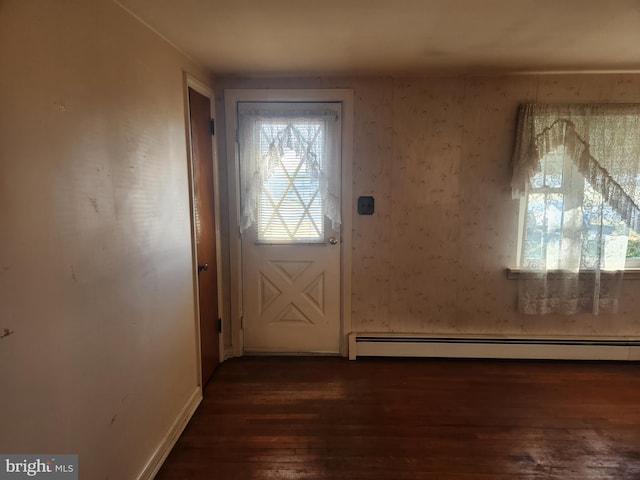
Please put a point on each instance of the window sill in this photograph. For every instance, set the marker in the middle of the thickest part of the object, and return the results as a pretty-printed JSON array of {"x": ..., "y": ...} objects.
[{"x": 515, "y": 273}]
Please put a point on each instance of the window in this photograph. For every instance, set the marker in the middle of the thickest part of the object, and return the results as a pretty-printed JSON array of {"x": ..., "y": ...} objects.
[
  {"x": 290, "y": 205},
  {"x": 290, "y": 166},
  {"x": 577, "y": 170},
  {"x": 592, "y": 222}
]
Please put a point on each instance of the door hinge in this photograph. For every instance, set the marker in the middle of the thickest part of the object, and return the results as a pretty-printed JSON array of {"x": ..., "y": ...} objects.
[
  {"x": 219, "y": 325},
  {"x": 212, "y": 126}
]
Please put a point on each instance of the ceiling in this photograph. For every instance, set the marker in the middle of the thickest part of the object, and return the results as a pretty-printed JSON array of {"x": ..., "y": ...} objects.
[{"x": 332, "y": 37}]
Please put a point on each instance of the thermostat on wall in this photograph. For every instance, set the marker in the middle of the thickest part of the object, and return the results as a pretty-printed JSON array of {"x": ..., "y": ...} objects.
[{"x": 365, "y": 205}]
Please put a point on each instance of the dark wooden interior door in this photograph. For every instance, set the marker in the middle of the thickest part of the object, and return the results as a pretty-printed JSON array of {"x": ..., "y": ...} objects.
[{"x": 204, "y": 206}]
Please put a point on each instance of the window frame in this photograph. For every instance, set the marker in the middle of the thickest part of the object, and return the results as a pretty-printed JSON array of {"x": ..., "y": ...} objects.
[
  {"x": 330, "y": 135},
  {"x": 632, "y": 264},
  {"x": 529, "y": 113}
]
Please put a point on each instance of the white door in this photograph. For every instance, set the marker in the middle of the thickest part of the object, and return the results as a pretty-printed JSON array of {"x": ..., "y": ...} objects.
[{"x": 290, "y": 165}]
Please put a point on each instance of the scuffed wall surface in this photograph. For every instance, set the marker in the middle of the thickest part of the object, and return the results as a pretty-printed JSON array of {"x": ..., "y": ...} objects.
[
  {"x": 95, "y": 254},
  {"x": 435, "y": 152}
]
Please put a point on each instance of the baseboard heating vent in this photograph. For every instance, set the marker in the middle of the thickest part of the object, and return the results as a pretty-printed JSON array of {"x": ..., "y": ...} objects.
[{"x": 548, "y": 348}]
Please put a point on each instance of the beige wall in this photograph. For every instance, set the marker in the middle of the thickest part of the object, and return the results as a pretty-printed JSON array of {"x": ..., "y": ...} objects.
[
  {"x": 435, "y": 153},
  {"x": 96, "y": 278}
]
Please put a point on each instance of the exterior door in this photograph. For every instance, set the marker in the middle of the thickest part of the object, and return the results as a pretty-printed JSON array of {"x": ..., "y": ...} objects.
[
  {"x": 291, "y": 249},
  {"x": 204, "y": 212}
]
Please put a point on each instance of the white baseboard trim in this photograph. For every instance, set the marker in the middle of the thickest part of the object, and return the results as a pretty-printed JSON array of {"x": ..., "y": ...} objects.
[
  {"x": 228, "y": 353},
  {"x": 478, "y": 346},
  {"x": 152, "y": 467}
]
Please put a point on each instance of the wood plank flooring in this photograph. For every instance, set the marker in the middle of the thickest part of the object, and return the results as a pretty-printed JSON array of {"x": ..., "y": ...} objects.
[{"x": 323, "y": 418}]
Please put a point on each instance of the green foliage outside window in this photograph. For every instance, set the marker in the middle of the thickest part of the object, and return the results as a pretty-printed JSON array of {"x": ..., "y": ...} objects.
[{"x": 633, "y": 247}]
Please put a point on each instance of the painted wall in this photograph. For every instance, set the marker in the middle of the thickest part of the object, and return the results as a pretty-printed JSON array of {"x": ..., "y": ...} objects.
[
  {"x": 435, "y": 152},
  {"x": 96, "y": 284}
]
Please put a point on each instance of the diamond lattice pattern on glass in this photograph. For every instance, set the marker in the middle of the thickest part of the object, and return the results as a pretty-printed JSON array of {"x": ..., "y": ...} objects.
[{"x": 290, "y": 207}]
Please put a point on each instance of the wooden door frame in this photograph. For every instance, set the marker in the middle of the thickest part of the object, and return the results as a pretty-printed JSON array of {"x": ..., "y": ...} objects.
[
  {"x": 232, "y": 97},
  {"x": 203, "y": 89}
]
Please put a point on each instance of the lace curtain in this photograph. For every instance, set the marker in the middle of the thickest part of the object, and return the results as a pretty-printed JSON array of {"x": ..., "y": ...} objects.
[
  {"x": 266, "y": 133},
  {"x": 578, "y": 166}
]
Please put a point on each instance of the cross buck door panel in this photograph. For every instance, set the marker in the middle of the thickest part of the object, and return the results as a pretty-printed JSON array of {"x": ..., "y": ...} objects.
[{"x": 290, "y": 221}]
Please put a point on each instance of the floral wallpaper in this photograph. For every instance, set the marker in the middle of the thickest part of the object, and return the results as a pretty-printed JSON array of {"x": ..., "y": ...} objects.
[{"x": 435, "y": 153}]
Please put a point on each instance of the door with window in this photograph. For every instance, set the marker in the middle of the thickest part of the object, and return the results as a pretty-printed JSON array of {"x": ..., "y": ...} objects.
[{"x": 290, "y": 184}]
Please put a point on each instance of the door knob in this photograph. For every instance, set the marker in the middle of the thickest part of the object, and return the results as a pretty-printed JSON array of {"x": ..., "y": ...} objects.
[
  {"x": 202, "y": 267},
  {"x": 333, "y": 240}
]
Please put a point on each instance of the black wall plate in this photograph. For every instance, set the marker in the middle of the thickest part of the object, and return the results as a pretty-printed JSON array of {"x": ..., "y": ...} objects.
[{"x": 366, "y": 205}]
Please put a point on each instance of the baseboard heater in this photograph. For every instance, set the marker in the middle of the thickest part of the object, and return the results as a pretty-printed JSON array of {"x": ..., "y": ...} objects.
[{"x": 474, "y": 346}]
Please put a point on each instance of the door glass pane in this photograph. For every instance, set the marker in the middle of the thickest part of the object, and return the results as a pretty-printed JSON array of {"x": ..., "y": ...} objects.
[{"x": 290, "y": 207}]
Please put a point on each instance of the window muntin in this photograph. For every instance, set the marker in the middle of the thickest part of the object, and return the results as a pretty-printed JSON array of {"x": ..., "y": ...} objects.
[{"x": 290, "y": 208}]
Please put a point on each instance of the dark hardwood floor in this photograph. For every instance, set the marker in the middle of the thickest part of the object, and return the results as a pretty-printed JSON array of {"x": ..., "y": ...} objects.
[{"x": 394, "y": 419}]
